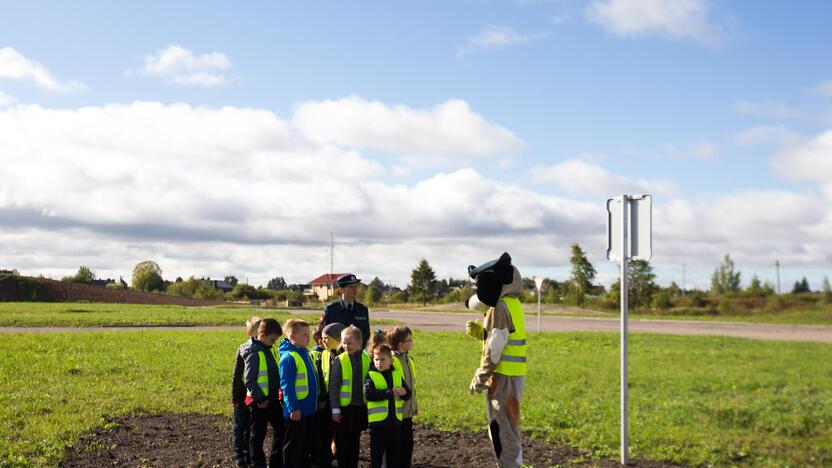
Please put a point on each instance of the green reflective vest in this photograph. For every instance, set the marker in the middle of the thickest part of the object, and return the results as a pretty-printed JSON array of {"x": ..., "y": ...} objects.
[
  {"x": 513, "y": 360},
  {"x": 377, "y": 410},
  {"x": 262, "y": 375},
  {"x": 301, "y": 383},
  {"x": 325, "y": 365},
  {"x": 346, "y": 375}
]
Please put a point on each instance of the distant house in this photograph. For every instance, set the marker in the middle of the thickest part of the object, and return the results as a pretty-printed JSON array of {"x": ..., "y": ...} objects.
[
  {"x": 221, "y": 285},
  {"x": 323, "y": 286},
  {"x": 103, "y": 282}
]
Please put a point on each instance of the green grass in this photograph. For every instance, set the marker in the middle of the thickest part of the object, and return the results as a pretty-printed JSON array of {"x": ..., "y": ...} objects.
[
  {"x": 70, "y": 314},
  {"x": 694, "y": 400}
]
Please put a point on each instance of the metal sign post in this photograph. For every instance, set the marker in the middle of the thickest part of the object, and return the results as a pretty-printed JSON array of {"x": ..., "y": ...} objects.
[
  {"x": 629, "y": 236},
  {"x": 539, "y": 283}
]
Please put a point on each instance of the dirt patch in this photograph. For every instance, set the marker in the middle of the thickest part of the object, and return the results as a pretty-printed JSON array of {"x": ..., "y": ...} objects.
[
  {"x": 22, "y": 288},
  {"x": 205, "y": 441}
]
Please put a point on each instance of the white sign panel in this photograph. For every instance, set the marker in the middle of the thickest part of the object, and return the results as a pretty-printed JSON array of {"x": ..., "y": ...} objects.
[{"x": 640, "y": 227}]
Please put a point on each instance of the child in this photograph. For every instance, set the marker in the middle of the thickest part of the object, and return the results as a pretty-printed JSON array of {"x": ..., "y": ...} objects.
[
  {"x": 299, "y": 382},
  {"x": 240, "y": 429},
  {"x": 401, "y": 340},
  {"x": 346, "y": 397},
  {"x": 325, "y": 444},
  {"x": 385, "y": 389},
  {"x": 262, "y": 382}
]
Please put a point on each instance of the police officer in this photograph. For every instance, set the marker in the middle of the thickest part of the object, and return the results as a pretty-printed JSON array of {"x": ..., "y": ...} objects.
[{"x": 347, "y": 310}]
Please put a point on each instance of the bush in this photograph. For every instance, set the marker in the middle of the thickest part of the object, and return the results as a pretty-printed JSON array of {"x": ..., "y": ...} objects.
[
  {"x": 116, "y": 285},
  {"x": 247, "y": 291},
  {"x": 726, "y": 307},
  {"x": 661, "y": 300},
  {"x": 775, "y": 304},
  {"x": 148, "y": 280}
]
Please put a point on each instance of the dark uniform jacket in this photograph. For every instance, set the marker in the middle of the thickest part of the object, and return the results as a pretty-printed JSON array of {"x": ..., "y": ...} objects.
[
  {"x": 337, "y": 312},
  {"x": 252, "y": 370},
  {"x": 238, "y": 389}
]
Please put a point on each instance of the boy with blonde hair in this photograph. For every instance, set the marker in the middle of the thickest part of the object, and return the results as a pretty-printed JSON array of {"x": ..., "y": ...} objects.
[
  {"x": 346, "y": 397},
  {"x": 240, "y": 430},
  {"x": 299, "y": 382}
]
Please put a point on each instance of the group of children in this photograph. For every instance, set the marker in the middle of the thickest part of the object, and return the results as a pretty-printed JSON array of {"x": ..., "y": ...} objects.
[{"x": 319, "y": 401}]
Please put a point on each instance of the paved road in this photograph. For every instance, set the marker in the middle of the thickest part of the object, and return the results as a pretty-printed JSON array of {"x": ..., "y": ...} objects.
[{"x": 437, "y": 321}]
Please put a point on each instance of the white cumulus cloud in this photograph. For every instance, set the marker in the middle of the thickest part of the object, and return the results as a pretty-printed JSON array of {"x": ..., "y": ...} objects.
[
  {"x": 576, "y": 175},
  {"x": 6, "y": 100},
  {"x": 15, "y": 66},
  {"x": 181, "y": 66},
  {"x": 811, "y": 160},
  {"x": 450, "y": 128},
  {"x": 681, "y": 19}
]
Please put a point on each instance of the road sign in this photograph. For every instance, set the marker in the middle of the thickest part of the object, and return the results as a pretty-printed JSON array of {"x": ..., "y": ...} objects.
[
  {"x": 629, "y": 236},
  {"x": 640, "y": 223}
]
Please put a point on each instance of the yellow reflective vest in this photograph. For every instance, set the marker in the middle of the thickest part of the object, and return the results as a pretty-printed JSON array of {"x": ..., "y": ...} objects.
[
  {"x": 302, "y": 371},
  {"x": 346, "y": 375},
  {"x": 513, "y": 360},
  {"x": 262, "y": 375},
  {"x": 377, "y": 410}
]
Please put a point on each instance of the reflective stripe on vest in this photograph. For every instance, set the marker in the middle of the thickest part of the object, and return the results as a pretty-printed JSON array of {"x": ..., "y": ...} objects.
[
  {"x": 377, "y": 410},
  {"x": 513, "y": 360},
  {"x": 397, "y": 364},
  {"x": 346, "y": 375},
  {"x": 302, "y": 370},
  {"x": 262, "y": 375},
  {"x": 325, "y": 362}
]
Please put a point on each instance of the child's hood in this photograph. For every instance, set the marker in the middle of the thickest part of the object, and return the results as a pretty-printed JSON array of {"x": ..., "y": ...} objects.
[{"x": 286, "y": 346}]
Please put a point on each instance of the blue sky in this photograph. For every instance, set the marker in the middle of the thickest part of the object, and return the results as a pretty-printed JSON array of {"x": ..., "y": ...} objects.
[{"x": 710, "y": 106}]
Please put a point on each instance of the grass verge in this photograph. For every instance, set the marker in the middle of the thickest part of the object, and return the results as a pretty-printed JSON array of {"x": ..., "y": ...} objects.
[{"x": 694, "y": 400}]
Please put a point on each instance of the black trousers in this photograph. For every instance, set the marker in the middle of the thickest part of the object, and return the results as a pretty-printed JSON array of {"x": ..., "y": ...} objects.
[
  {"x": 322, "y": 451},
  {"x": 348, "y": 447},
  {"x": 261, "y": 419},
  {"x": 241, "y": 432},
  {"x": 407, "y": 442},
  {"x": 298, "y": 440},
  {"x": 389, "y": 440}
]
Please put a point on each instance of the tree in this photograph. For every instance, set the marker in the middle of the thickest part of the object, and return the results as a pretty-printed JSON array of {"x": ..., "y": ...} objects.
[
  {"x": 375, "y": 291},
  {"x": 582, "y": 273},
  {"x": 422, "y": 282},
  {"x": 641, "y": 278},
  {"x": 277, "y": 284},
  {"x": 148, "y": 280},
  {"x": 801, "y": 286},
  {"x": 147, "y": 265},
  {"x": 826, "y": 290},
  {"x": 231, "y": 279},
  {"x": 725, "y": 279},
  {"x": 84, "y": 275}
]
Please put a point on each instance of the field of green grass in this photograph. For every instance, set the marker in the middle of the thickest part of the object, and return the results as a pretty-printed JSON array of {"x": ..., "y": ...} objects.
[
  {"x": 694, "y": 400},
  {"x": 73, "y": 314}
]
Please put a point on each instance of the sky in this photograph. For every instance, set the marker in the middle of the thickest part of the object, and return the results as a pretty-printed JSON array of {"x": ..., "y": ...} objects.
[{"x": 224, "y": 140}]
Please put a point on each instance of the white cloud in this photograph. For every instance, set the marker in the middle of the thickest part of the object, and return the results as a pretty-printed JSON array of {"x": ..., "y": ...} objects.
[
  {"x": 579, "y": 176},
  {"x": 495, "y": 37},
  {"x": 766, "y": 134},
  {"x": 6, "y": 100},
  {"x": 450, "y": 128},
  {"x": 181, "y": 66},
  {"x": 680, "y": 19},
  {"x": 824, "y": 88},
  {"x": 774, "y": 110},
  {"x": 703, "y": 150},
  {"x": 811, "y": 160},
  {"x": 14, "y": 65}
]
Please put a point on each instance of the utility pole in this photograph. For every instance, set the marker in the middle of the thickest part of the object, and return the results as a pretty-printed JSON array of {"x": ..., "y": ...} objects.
[
  {"x": 684, "y": 282},
  {"x": 331, "y": 259},
  {"x": 777, "y": 266}
]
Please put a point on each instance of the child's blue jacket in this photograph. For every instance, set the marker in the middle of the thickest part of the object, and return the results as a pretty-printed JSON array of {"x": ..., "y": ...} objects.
[{"x": 288, "y": 369}]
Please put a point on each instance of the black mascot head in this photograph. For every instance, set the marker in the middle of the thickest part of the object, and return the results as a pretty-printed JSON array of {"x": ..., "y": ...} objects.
[{"x": 490, "y": 278}]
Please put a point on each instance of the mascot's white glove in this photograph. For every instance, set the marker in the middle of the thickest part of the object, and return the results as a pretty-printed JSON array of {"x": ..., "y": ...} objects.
[
  {"x": 477, "y": 386},
  {"x": 475, "y": 330}
]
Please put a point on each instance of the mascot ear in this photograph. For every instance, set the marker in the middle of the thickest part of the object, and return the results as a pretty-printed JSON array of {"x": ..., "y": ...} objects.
[
  {"x": 489, "y": 287},
  {"x": 504, "y": 269}
]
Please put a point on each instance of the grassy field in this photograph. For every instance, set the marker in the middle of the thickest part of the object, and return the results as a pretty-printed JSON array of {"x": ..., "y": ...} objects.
[
  {"x": 694, "y": 400},
  {"x": 70, "y": 314}
]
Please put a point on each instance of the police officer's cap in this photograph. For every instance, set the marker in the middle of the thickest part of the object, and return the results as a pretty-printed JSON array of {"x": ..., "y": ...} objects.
[{"x": 346, "y": 280}]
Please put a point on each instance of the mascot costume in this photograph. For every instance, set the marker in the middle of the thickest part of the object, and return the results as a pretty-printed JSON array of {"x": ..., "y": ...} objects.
[{"x": 502, "y": 371}]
